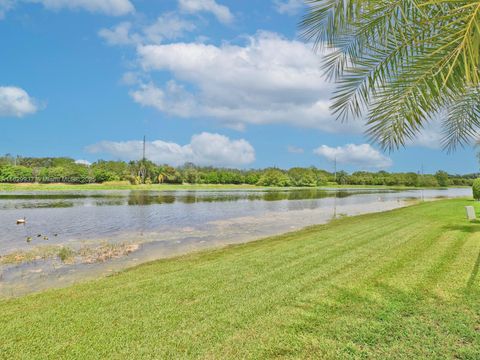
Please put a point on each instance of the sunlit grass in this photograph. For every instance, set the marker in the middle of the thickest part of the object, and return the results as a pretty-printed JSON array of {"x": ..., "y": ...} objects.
[
  {"x": 402, "y": 284},
  {"x": 122, "y": 185}
]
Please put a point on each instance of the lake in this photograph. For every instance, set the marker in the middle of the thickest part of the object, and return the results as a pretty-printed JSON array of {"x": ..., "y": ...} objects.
[{"x": 111, "y": 230}]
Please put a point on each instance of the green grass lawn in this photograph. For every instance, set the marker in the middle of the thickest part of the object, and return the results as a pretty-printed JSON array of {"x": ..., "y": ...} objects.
[
  {"x": 402, "y": 284},
  {"x": 174, "y": 187}
]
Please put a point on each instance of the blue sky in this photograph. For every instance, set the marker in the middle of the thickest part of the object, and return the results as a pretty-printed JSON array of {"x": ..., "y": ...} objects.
[{"x": 216, "y": 82}]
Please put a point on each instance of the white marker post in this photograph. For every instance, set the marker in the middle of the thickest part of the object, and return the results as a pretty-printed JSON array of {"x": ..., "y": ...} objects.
[{"x": 470, "y": 213}]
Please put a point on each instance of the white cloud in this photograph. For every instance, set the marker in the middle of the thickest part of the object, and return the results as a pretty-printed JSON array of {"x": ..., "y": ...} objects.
[
  {"x": 358, "y": 155},
  {"x": 289, "y": 7},
  {"x": 107, "y": 7},
  {"x": 119, "y": 35},
  {"x": 168, "y": 26},
  {"x": 131, "y": 78},
  {"x": 430, "y": 137},
  {"x": 83, "y": 162},
  {"x": 5, "y": 6},
  {"x": 295, "y": 149},
  {"x": 269, "y": 80},
  {"x": 15, "y": 101},
  {"x": 205, "y": 149},
  {"x": 221, "y": 12}
]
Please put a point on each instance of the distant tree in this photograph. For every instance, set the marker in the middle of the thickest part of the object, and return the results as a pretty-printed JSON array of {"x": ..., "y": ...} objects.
[
  {"x": 342, "y": 177},
  {"x": 302, "y": 177},
  {"x": 11, "y": 173},
  {"x": 442, "y": 178},
  {"x": 411, "y": 179},
  {"x": 428, "y": 181},
  {"x": 274, "y": 177},
  {"x": 190, "y": 175},
  {"x": 103, "y": 175}
]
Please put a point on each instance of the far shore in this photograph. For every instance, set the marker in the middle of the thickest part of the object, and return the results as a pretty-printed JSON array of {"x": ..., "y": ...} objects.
[{"x": 9, "y": 187}]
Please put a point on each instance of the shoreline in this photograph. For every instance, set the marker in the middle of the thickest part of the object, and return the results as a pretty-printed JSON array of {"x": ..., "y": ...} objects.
[
  {"x": 409, "y": 271},
  {"x": 85, "y": 272},
  {"x": 4, "y": 187}
]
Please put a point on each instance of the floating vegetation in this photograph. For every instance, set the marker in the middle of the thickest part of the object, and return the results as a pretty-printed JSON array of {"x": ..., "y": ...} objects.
[
  {"x": 84, "y": 255},
  {"x": 66, "y": 254},
  {"x": 106, "y": 252},
  {"x": 19, "y": 257}
]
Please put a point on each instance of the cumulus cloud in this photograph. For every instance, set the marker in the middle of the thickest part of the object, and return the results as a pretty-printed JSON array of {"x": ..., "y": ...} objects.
[
  {"x": 289, "y": 7},
  {"x": 119, "y": 35},
  {"x": 221, "y": 12},
  {"x": 168, "y": 26},
  {"x": 205, "y": 149},
  {"x": 107, "y": 7},
  {"x": 269, "y": 80},
  {"x": 362, "y": 155},
  {"x": 15, "y": 101},
  {"x": 83, "y": 162},
  {"x": 430, "y": 137},
  {"x": 295, "y": 149}
]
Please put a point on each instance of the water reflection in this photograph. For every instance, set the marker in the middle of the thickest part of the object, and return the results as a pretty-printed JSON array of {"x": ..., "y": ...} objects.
[
  {"x": 164, "y": 223},
  {"x": 139, "y": 198}
]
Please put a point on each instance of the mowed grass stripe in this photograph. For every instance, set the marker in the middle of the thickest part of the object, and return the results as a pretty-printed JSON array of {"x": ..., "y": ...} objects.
[
  {"x": 312, "y": 282},
  {"x": 360, "y": 287}
]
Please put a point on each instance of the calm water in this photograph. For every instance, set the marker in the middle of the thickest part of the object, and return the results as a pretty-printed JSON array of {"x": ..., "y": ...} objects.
[{"x": 164, "y": 223}]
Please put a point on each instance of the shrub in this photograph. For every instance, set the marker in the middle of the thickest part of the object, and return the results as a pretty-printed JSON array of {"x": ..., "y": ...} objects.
[
  {"x": 102, "y": 176},
  {"x": 476, "y": 189},
  {"x": 274, "y": 177},
  {"x": 65, "y": 254}
]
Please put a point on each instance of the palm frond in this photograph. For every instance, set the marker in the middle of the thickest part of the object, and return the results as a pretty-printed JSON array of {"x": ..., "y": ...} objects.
[
  {"x": 462, "y": 121},
  {"x": 401, "y": 62}
]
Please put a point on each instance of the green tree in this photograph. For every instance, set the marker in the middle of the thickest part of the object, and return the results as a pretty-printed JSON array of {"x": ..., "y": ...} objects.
[
  {"x": 274, "y": 177},
  {"x": 302, "y": 177},
  {"x": 476, "y": 189},
  {"x": 10, "y": 173},
  {"x": 403, "y": 63},
  {"x": 428, "y": 181},
  {"x": 442, "y": 178},
  {"x": 342, "y": 177}
]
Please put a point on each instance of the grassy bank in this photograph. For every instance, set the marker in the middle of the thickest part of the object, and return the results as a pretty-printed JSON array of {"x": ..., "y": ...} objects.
[
  {"x": 118, "y": 186},
  {"x": 401, "y": 284},
  {"x": 172, "y": 187}
]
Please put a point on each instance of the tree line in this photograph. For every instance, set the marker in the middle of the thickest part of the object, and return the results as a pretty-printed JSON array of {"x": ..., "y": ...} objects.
[{"x": 63, "y": 169}]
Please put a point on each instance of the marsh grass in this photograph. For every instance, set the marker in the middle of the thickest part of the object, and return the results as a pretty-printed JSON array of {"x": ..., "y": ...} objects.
[
  {"x": 106, "y": 251},
  {"x": 68, "y": 255},
  {"x": 38, "y": 253}
]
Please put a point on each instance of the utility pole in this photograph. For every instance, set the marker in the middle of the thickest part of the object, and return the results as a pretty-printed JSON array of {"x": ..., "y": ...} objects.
[
  {"x": 423, "y": 183},
  {"x": 144, "y": 138},
  {"x": 143, "y": 170},
  {"x": 335, "y": 168}
]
